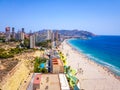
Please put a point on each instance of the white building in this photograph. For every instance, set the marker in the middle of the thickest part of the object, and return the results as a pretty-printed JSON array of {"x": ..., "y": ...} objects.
[
  {"x": 32, "y": 41},
  {"x": 21, "y": 35},
  {"x": 49, "y": 34},
  {"x": 43, "y": 35},
  {"x": 63, "y": 81}
]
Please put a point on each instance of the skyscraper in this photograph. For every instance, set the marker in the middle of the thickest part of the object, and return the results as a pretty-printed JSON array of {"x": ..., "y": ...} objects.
[
  {"x": 59, "y": 37},
  {"x": 7, "y": 29},
  {"x": 43, "y": 35},
  {"x": 56, "y": 36},
  {"x": 23, "y": 30},
  {"x": 49, "y": 34},
  {"x": 13, "y": 32},
  {"x": 32, "y": 41},
  {"x": 21, "y": 36},
  {"x": 52, "y": 36}
]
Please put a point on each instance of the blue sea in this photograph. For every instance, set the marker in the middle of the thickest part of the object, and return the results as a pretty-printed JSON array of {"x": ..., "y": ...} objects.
[{"x": 104, "y": 50}]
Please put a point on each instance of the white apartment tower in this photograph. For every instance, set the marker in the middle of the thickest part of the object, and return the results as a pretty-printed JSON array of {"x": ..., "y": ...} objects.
[
  {"x": 49, "y": 34},
  {"x": 21, "y": 36},
  {"x": 32, "y": 41}
]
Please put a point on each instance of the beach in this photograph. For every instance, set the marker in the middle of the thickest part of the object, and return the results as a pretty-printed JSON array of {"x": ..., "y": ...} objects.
[{"x": 91, "y": 75}]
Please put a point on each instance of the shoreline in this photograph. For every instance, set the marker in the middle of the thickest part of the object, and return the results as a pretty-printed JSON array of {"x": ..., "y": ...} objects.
[
  {"x": 92, "y": 61},
  {"x": 94, "y": 76}
]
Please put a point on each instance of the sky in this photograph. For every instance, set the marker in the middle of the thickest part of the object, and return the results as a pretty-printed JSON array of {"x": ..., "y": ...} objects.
[{"x": 101, "y": 17}]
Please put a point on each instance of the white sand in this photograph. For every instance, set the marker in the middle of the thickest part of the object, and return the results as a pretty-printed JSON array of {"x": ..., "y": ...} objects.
[{"x": 93, "y": 77}]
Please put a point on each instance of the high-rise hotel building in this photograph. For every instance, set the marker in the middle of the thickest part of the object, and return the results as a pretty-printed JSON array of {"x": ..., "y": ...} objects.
[
  {"x": 13, "y": 32},
  {"x": 49, "y": 35},
  {"x": 32, "y": 41},
  {"x": 23, "y": 30},
  {"x": 7, "y": 33},
  {"x": 21, "y": 35}
]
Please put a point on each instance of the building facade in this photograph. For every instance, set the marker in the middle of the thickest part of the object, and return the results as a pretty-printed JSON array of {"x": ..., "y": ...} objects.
[
  {"x": 23, "y": 30},
  {"x": 43, "y": 35},
  {"x": 57, "y": 66},
  {"x": 48, "y": 82},
  {"x": 13, "y": 33},
  {"x": 22, "y": 36},
  {"x": 49, "y": 34},
  {"x": 7, "y": 33},
  {"x": 32, "y": 41}
]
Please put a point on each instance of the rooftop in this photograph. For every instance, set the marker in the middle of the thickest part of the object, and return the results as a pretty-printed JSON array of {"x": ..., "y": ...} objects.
[
  {"x": 51, "y": 81},
  {"x": 63, "y": 82},
  {"x": 57, "y": 61},
  {"x": 37, "y": 79},
  {"x": 48, "y": 81}
]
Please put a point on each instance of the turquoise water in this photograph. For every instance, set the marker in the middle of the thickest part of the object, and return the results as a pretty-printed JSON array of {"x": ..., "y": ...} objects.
[
  {"x": 42, "y": 65},
  {"x": 104, "y": 50}
]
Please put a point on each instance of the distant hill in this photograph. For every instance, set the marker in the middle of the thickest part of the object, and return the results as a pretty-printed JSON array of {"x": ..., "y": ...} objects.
[
  {"x": 76, "y": 33},
  {"x": 72, "y": 33}
]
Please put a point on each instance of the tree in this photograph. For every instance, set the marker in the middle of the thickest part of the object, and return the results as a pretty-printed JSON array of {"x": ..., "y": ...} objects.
[
  {"x": 45, "y": 44},
  {"x": 27, "y": 43}
]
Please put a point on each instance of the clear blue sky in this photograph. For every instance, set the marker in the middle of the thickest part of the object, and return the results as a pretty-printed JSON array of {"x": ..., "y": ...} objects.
[{"x": 97, "y": 16}]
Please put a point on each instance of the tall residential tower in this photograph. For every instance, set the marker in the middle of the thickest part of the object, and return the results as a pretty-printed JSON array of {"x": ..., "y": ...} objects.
[
  {"x": 7, "y": 33},
  {"x": 32, "y": 41}
]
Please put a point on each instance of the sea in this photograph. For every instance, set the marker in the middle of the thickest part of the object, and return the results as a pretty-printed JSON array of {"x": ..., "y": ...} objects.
[{"x": 104, "y": 50}]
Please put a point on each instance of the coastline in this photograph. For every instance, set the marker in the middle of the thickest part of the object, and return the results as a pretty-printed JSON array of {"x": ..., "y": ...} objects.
[
  {"x": 92, "y": 61},
  {"x": 98, "y": 76}
]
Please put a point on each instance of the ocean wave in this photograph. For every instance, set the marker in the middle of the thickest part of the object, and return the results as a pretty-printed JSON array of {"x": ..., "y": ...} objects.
[
  {"x": 74, "y": 47},
  {"x": 113, "y": 68}
]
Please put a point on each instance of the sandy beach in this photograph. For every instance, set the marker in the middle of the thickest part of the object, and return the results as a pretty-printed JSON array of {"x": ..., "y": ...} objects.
[{"x": 91, "y": 75}]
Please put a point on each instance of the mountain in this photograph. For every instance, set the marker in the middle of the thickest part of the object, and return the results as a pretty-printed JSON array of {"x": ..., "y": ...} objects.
[
  {"x": 72, "y": 33},
  {"x": 76, "y": 33}
]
